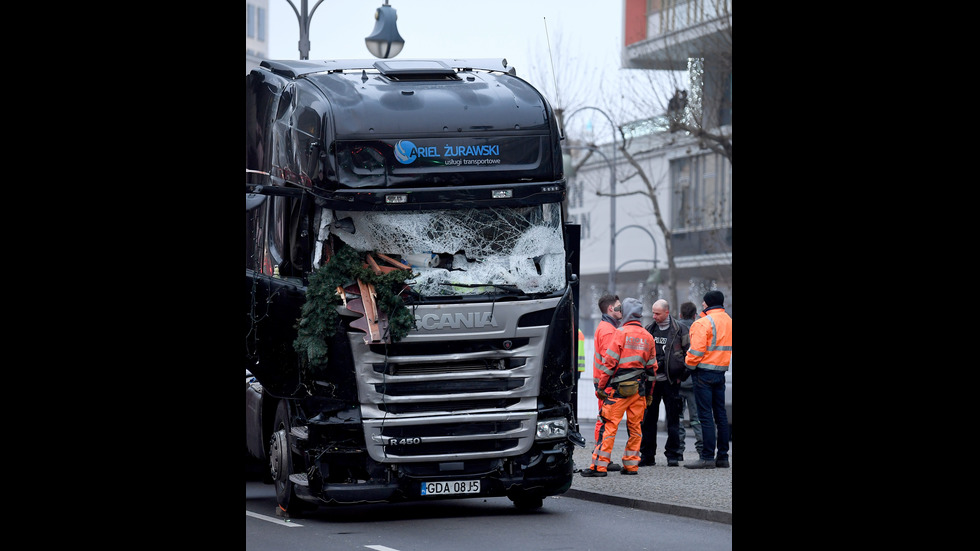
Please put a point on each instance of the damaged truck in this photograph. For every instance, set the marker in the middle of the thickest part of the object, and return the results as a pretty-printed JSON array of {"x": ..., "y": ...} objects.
[{"x": 410, "y": 284}]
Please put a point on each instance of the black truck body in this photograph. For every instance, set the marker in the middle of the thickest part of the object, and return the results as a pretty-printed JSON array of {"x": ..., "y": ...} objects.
[{"x": 445, "y": 175}]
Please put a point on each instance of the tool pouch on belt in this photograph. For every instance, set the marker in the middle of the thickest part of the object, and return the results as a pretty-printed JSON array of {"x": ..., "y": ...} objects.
[{"x": 628, "y": 388}]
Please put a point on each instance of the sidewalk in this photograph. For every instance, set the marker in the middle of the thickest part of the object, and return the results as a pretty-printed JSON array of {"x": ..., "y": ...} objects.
[{"x": 698, "y": 493}]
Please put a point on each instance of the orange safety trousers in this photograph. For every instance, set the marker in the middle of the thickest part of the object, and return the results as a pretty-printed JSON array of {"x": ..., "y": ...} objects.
[
  {"x": 611, "y": 414},
  {"x": 598, "y": 424}
]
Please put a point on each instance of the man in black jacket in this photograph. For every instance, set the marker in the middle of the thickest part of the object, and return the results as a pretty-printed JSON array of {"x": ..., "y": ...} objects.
[{"x": 672, "y": 341}]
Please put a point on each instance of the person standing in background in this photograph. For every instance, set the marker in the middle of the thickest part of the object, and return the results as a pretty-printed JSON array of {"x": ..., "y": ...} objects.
[
  {"x": 671, "y": 344},
  {"x": 709, "y": 357},
  {"x": 686, "y": 390},
  {"x": 627, "y": 373},
  {"x": 612, "y": 312}
]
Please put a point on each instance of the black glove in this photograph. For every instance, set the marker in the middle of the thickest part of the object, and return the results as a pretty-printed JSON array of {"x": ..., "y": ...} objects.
[
  {"x": 601, "y": 394},
  {"x": 685, "y": 374}
]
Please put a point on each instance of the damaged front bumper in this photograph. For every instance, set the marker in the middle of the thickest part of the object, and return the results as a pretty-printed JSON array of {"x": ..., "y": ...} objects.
[{"x": 545, "y": 470}]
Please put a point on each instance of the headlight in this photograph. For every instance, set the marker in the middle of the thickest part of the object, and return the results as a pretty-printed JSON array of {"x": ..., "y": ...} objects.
[{"x": 552, "y": 428}]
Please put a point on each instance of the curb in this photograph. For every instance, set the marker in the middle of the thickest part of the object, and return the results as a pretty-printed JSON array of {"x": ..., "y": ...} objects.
[{"x": 666, "y": 508}]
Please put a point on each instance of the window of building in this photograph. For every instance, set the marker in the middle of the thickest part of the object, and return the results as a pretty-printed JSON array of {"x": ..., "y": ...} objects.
[
  {"x": 701, "y": 206},
  {"x": 702, "y": 189},
  {"x": 249, "y": 20},
  {"x": 261, "y": 22},
  {"x": 725, "y": 111}
]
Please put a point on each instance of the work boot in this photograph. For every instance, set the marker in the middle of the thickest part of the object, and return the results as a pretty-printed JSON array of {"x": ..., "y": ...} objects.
[
  {"x": 647, "y": 462},
  {"x": 672, "y": 463},
  {"x": 700, "y": 464},
  {"x": 588, "y": 473},
  {"x": 614, "y": 467},
  {"x": 722, "y": 463},
  {"x": 624, "y": 471}
]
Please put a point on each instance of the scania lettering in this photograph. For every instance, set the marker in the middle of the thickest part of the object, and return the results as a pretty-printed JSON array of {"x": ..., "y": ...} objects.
[
  {"x": 410, "y": 284},
  {"x": 444, "y": 321}
]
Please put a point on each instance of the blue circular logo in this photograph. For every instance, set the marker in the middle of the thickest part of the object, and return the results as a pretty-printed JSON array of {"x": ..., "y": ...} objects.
[{"x": 405, "y": 152}]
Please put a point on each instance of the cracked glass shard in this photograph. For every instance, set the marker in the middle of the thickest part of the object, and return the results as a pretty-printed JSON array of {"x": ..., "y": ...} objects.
[{"x": 457, "y": 252}]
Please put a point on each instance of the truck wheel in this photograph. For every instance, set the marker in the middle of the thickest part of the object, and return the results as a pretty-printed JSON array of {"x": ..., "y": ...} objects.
[
  {"x": 281, "y": 463},
  {"x": 527, "y": 503}
]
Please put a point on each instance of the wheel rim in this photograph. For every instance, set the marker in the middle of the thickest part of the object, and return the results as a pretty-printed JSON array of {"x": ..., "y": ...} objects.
[{"x": 277, "y": 457}]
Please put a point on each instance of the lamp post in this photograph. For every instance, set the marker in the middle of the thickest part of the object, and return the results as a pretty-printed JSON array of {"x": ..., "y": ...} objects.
[
  {"x": 304, "y": 26},
  {"x": 651, "y": 239},
  {"x": 383, "y": 42},
  {"x": 612, "y": 240},
  {"x": 612, "y": 196}
]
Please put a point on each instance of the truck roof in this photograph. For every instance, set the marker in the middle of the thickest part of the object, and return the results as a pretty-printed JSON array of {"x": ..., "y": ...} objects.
[{"x": 426, "y": 98}]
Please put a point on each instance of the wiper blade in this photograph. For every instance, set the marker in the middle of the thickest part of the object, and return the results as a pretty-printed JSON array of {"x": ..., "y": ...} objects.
[{"x": 511, "y": 289}]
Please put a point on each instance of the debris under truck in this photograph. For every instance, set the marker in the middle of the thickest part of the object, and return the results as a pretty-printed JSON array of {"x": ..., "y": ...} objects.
[{"x": 410, "y": 318}]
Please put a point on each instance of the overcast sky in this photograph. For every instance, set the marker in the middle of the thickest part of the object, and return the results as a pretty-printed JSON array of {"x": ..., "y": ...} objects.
[
  {"x": 514, "y": 29},
  {"x": 586, "y": 30},
  {"x": 582, "y": 38}
]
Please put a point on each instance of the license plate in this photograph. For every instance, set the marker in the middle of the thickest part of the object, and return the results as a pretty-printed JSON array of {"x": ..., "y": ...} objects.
[{"x": 449, "y": 487}]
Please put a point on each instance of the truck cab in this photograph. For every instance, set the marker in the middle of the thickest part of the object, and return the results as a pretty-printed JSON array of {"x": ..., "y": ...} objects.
[{"x": 410, "y": 284}]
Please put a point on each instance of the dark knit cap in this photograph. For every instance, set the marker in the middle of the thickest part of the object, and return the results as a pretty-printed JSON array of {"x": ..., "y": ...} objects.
[{"x": 714, "y": 298}]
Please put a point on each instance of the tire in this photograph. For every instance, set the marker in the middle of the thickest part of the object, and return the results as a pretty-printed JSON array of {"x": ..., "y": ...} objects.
[
  {"x": 281, "y": 461},
  {"x": 528, "y": 503}
]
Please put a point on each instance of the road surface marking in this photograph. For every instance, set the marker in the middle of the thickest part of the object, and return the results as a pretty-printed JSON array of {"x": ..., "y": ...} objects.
[{"x": 272, "y": 519}]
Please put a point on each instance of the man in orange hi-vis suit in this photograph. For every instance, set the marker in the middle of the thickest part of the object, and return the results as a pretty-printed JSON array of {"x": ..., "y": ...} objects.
[
  {"x": 709, "y": 357},
  {"x": 626, "y": 376},
  {"x": 612, "y": 313}
]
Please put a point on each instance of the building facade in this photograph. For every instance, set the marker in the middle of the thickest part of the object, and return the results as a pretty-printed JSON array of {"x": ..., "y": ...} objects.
[
  {"x": 256, "y": 33},
  {"x": 691, "y": 176}
]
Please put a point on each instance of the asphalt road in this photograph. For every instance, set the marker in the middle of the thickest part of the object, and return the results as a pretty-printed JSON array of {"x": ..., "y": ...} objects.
[{"x": 488, "y": 524}]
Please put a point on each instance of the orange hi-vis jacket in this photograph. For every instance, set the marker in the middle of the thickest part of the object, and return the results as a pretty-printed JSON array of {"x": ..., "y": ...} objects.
[
  {"x": 632, "y": 352},
  {"x": 711, "y": 341},
  {"x": 603, "y": 336}
]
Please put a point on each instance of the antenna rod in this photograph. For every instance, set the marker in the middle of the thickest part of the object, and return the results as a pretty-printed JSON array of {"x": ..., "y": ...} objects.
[{"x": 553, "y": 76}]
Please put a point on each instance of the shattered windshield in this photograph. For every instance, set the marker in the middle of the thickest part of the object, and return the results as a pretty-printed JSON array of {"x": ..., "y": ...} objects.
[{"x": 463, "y": 252}]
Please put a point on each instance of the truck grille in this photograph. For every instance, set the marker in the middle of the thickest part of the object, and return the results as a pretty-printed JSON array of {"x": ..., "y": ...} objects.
[
  {"x": 468, "y": 437},
  {"x": 448, "y": 387},
  {"x": 458, "y": 394},
  {"x": 448, "y": 407}
]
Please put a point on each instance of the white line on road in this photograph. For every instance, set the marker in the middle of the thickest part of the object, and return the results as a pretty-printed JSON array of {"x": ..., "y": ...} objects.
[
  {"x": 271, "y": 519},
  {"x": 380, "y": 548}
]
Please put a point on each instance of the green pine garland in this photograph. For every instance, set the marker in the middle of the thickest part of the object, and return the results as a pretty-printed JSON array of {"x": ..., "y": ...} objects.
[{"x": 318, "y": 321}]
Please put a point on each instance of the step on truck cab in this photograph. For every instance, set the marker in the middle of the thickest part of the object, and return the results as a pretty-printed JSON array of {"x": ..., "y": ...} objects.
[{"x": 410, "y": 285}]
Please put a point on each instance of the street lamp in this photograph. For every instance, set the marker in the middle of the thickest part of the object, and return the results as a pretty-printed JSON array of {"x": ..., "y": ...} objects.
[
  {"x": 612, "y": 197},
  {"x": 651, "y": 239},
  {"x": 654, "y": 276},
  {"x": 304, "y": 26},
  {"x": 612, "y": 179},
  {"x": 384, "y": 41}
]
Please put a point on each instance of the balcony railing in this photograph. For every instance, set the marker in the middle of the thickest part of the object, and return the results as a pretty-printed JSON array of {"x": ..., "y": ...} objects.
[{"x": 676, "y": 15}]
